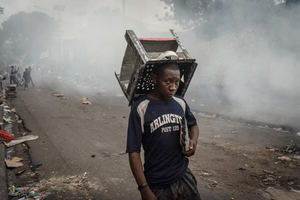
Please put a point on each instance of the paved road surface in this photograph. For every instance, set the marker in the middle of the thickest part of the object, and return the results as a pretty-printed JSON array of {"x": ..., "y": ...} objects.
[{"x": 70, "y": 133}]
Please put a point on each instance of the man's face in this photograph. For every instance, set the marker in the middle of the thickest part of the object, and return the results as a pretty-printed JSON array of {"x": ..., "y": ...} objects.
[{"x": 167, "y": 83}]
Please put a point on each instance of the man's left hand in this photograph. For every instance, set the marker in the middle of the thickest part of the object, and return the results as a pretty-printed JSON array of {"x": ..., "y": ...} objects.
[{"x": 192, "y": 149}]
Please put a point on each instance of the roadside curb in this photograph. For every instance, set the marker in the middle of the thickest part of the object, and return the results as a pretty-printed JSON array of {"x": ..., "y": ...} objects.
[{"x": 3, "y": 174}]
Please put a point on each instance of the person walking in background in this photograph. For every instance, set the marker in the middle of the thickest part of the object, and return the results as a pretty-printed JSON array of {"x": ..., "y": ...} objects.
[
  {"x": 29, "y": 75},
  {"x": 19, "y": 78},
  {"x": 13, "y": 75},
  {"x": 2, "y": 78},
  {"x": 26, "y": 78}
]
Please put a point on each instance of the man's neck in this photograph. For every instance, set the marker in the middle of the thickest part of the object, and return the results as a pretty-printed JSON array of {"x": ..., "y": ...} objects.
[{"x": 156, "y": 96}]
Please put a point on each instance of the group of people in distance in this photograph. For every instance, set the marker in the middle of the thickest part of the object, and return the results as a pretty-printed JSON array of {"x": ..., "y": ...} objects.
[{"x": 16, "y": 78}]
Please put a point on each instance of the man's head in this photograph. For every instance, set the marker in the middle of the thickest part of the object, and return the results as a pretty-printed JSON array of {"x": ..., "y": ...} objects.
[{"x": 166, "y": 79}]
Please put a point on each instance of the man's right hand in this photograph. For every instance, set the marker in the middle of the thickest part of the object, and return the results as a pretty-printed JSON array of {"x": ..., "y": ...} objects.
[{"x": 147, "y": 194}]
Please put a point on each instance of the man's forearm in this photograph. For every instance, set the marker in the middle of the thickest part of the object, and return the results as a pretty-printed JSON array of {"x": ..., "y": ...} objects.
[
  {"x": 137, "y": 167},
  {"x": 194, "y": 133},
  {"x": 138, "y": 173}
]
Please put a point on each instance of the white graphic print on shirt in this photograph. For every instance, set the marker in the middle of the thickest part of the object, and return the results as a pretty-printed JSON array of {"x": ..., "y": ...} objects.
[{"x": 165, "y": 119}]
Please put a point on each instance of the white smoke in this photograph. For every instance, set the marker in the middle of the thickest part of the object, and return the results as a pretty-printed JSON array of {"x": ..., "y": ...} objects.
[
  {"x": 247, "y": 50},
  {"x": 248, "y": 55}
]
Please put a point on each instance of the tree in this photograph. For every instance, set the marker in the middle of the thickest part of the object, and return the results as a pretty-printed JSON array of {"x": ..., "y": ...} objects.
[{"x": 25, "y": 35}]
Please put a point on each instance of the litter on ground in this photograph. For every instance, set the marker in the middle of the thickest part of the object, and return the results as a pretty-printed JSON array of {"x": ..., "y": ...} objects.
[
  {"x": 58, "y": 94},
  {"x": 21, "y": 140},
  {"x": 6, "y": 135},
  {"x": 14, "y": 162},
  {"x": 86, "y": 101}
]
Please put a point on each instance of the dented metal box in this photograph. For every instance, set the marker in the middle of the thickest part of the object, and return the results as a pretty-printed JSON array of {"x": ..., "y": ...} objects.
[{"x": 143, "y": 54}]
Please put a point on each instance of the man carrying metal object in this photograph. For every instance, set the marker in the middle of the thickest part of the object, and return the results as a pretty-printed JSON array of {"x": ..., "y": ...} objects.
[
  {"x": 154, "y": 77},
  {"x": 155, "y": 122}
]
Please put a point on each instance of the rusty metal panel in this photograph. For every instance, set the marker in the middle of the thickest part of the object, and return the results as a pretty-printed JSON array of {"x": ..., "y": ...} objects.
[
  {"x": 186, "y": 53},
  {"x": 134, "y": 77},
  {"x": 143, "y": 55},
  {"x": 128, "y": 64},
  {"x": 154, "y": 55},
  {"x": 136, "y": 45},
  {"x": 159, "y": 44},
  {"x": 122, "y": 85}
]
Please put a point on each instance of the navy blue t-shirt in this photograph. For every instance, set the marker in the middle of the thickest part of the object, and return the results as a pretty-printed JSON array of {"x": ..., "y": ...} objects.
[{"x": 155, "y": 125}]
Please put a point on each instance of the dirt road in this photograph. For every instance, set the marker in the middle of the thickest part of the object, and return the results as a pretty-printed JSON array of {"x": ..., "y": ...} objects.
[{"x": 234, "y": 160}]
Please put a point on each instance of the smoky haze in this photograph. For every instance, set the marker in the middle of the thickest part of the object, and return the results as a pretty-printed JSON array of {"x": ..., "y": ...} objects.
[
  {"x": 248, "y": 55},
  {"x": 247, "y": 51},
  {"x": 86, "y": 43}
]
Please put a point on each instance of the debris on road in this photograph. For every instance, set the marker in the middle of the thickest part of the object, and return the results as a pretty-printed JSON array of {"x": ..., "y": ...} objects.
[
  {"x": 297, "y": 191},
  {"x": 20, "y": 172},
  {"x": 269, "y": 180},
  {"x": 83, "y": 178},
  {"x": 205, "y": 115},
  {"x": 290, "y": 148},
  {"x": 277, "y": 194},
  {"x": 284, "y": 158},
  {"x": 76, "y": 179},
  {"x": 296, "y": 157},
  {"x": 7, "y": 136},
  {"x": 272, "y": 149},
  {"x": 213, "y": 184},
  {"x": 58, "y": 94},
  {"x": 268, "y": 172},
  {"x": 11, "y": 91},
  {"x": 85, "y": 101},
  {"x": 205, "y": 174},
  {"x": 14, "y": 162},
  {"x": 12, "y": 191},
  {"x": 50, "y": 188},
  {"x": 70, "y": 179},
  {"x": 281, "y": 130},
  {"x": 28, "y": 192},
  {"x": 21, "y": 140},
  {"x": 35, "y": 167},
  {"x": 7, "y": 120},
  {"x": 8, "y": 110}
]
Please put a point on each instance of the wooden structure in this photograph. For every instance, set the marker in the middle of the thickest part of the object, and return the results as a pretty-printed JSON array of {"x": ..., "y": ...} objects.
[{"x": 143, "y": 54}]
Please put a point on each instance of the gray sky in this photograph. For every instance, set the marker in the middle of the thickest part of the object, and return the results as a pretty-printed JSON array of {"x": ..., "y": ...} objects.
[{"x": 75, "y": 13}]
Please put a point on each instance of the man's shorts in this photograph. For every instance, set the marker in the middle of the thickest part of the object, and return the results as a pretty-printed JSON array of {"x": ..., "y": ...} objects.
[{"x": 184, "y": 188}]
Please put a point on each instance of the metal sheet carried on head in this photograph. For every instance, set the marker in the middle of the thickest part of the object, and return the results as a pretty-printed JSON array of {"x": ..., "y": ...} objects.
[{"x": 142, "y": 55}]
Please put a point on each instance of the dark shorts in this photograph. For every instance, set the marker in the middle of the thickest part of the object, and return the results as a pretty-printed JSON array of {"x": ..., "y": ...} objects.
[{"x": 184, "y": 188}]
